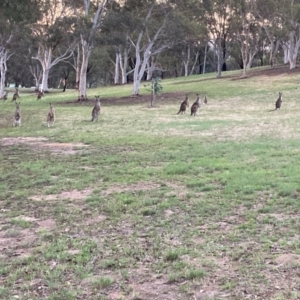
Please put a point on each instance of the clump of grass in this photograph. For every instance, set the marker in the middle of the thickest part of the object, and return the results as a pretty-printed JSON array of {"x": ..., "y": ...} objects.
[
  {"x": 172, "y": 255},
  {"x": 102, "y": 282}
]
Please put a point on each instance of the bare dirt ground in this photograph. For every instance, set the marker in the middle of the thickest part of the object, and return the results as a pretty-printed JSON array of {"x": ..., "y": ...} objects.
[{"x": 131, "y": 100}]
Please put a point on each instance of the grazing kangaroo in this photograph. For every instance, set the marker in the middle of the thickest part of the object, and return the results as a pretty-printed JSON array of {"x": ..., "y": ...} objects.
[
  {"x": 17, "y": 115},
  {"x": 278, "y": 102},
  {"x": 40, "y": 95},
  {"x": 4, "y": 97},
  {"x": 205, "y": 99},
  {"x": 96, "y": 109},
  {"x": 195, "y": 106},
  {"x": 51, "y": 116},
  {"x": 15, "y": 95},
  {"x": 184, "y": 105}
]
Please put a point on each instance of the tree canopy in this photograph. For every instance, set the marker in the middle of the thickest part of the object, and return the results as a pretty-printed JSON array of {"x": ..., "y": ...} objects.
[{"x": 115, "y": 42}]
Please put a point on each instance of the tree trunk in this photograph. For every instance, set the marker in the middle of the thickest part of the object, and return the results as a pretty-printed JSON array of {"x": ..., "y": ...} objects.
[
  {"x": 3, "y": 70},
  {"x": 140, "y": 66},
  {"x": 117, "y": 68},
  {"x": 195, "y": 61},
  {"x": 123, "y": 65},
  {"x": 252, "y": 54},
  {"x": 44, "y": 85},
  {"x": 286, "y": 53},
  {"x": 86, "y": 52},
  {"x": 186, "y": 60},
  {"x": 219, "y": 64},
  {"x": 77, "y": 67},
  {"x": 294, "y": 48},
  {"x": 46, "y": 65},
  {"x": 150, "y": 68},
  {"x": 205, "y": 55}
]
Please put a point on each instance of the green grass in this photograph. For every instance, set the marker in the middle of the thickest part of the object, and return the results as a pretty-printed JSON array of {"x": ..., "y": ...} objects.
[{"x": 147, "y": 204}]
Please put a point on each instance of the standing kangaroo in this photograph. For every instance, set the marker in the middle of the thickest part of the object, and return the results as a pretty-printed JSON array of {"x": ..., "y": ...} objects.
[
  {"x": 195, "y": 106},
  {"x": 15, "y": 95},
  {"x": 40, "y": 95},
  {"x": 51, "y": 116},
  {"x": 184, "y": 105},
  {"x": 205, "y": 99},
  {"x": 17, "y": 115},
  {"x": 279, "y": 101},
  {"x": 96, "y": 109}
]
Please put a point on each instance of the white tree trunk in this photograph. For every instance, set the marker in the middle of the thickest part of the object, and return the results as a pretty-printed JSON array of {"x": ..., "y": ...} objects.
[
  {"x": 252, "y": 53},
  {"x": 140, "y": 64},
  {"x": 195, "y": 62},
  {"x": 4, "y": 57},
  {"x": 150, "y": 68},
  {"x": 286, "y": 52},
  {"x": 77, "y": 66},
  {"x": 139, "y": 70},
  {"x": 44, "y": 85},
  {"x": 186, "y": 60},
  {"x": 294, "y": 48},
  {"x": 136, "y": 73},
  {"x": 45, "y": 56},
  {"x": 3, "y": 69},
  {"x": 117, "y": 67},
  {"x": 205, "y": 55},
  {"x": 37, "y": 73},
  {"x": 86, "y": 52},
  {"x": 244, "y": 52},
  {"x": 45, "y": 61},
  {"x": 219, "y": 63},
  {"x": 123, "y": 65}
]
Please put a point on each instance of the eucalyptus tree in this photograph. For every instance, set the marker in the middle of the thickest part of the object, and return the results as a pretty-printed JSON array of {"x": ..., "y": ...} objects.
[
  {"x": 290, "y": 15},
  {"x": 52, "y": 37},
  {"x": 14, "y": 18},
  {"x": 218, "y": 14},
  {"x": 245, "y": 30},
  {"x": 269, "y": 15},
  {"x": 89, "y": 16},
  {"x": 151, "y": 35},
  {"x": 191, "y": 30},
  {"x": 117, "y": 27}
]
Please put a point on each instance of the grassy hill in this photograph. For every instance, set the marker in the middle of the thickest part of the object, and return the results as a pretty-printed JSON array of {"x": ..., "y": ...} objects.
[{"x": 148, "y": 204}]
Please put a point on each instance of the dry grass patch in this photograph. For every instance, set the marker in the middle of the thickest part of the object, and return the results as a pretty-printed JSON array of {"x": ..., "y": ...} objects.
[
  {"x": 42, "y": 143},
  {"x": 153, "y": 288},
  {"x": 71, "y": 195},
  {"x": 21, "y": 242},
  {"x": 136, "y": 187}
]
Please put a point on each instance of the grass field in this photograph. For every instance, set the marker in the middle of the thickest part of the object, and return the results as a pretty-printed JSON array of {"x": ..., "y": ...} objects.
[{"x": 146, "y": 204}]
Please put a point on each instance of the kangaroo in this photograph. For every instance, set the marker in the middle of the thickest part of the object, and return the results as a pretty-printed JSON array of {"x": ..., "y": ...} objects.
[
  {"x": 17, "y": 115},
  {"x": 40, "y": 95},
  {"x": 205, "y": 99},
  {"x": 184, "y": 105},
  {"x": 96, "y": 109},
  {"x": 4, "y": 97},
  {"x": 278, "y": 102},
  {"x": 15, "y": 95},
  {"x": 195, "y": 106},
  {"x": 51, "y": 116}
]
